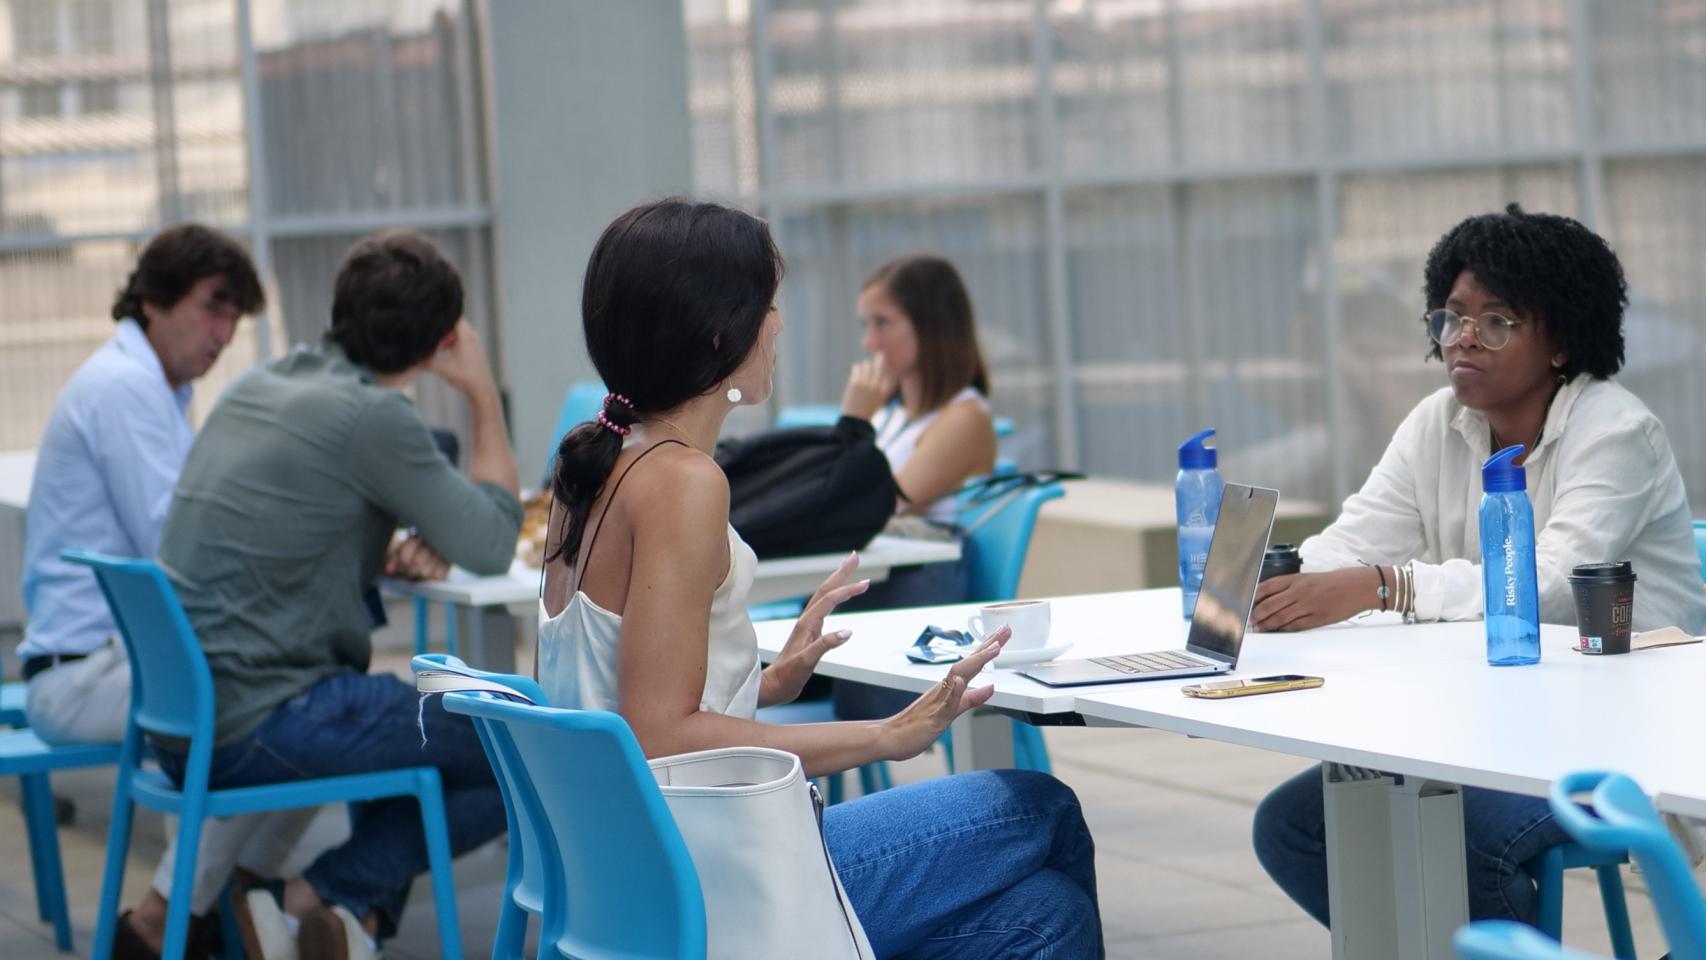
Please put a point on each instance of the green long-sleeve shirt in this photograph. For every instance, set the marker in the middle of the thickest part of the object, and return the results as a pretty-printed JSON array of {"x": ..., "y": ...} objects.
[{"x": 282, "y": 516}]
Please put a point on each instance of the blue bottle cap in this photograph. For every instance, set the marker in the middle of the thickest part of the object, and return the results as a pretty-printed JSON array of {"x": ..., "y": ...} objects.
[
  {"x": 1500, "y": 475},
  {"x": 1194, "y": 456}
]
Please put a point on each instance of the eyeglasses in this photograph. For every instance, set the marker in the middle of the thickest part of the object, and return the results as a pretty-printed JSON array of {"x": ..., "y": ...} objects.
[
  {"x": 940, "y": 645},
  {"x": 1492, "y": 330}
]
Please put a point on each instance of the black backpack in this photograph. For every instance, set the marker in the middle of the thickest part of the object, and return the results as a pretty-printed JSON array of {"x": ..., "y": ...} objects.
[{"x": 808, "y": 490}]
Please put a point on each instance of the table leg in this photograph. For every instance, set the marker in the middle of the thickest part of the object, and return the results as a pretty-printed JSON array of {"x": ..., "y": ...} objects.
[
  {"x": 983, "y": 740},
  {"x": 452, "y": 620},
  {"x": 485, "y": 637},
  {"x": 423, "y": 613},
  {"x": 1396, "y": 880}
]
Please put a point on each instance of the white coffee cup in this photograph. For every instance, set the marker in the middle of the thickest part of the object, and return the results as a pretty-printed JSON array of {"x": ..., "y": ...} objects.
[{"x": 1028, "y": 619}]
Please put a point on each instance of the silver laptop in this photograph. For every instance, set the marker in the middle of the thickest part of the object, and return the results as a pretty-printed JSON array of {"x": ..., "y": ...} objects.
[{"x": 1222, "y": 610}]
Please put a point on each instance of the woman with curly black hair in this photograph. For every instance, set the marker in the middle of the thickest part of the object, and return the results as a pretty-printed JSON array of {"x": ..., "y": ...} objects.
[{"x": 1526, "y": 311}]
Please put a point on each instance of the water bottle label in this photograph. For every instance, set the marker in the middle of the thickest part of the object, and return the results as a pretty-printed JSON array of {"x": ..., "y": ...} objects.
[{"x": 1510, "y": 572}]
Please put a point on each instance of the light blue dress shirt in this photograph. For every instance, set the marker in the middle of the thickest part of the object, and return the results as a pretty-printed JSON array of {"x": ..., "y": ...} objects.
[{"x": 108, "y": 461}]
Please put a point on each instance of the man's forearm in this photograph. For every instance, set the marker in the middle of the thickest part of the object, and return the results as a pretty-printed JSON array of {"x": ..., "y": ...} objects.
[{"x": 492, "y": 460}]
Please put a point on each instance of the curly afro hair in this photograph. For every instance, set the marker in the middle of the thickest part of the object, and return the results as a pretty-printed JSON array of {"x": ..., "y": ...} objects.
[{"x": 1547, "y": 266}]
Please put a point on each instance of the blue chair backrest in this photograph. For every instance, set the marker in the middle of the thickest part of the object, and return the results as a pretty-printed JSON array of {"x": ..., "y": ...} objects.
[
  {"x": 1622, "y": 818},
  {"x": 622, "y": 881},
  {"x": 808, "y": 415},
  {"x": 171, "y": 687},
  {"x": 1000, "y": 521},
  {"x": 529, "y": 850},
  {"x": 583, "y": 401},
  {"x": 1700, "y": 545},
  {"x": 1509, "y": 940}
]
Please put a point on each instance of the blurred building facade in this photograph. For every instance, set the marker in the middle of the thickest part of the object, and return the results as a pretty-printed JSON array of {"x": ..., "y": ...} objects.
[
  {"x": 1176, "y": 214},
  {"x": 1172, "y": 214}
]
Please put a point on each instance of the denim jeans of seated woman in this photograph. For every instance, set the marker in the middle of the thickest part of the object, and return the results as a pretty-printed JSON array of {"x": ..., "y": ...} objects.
[
  {"x": 997, "y": 865},
  {"x": 1502, "y": 832},
  {"x": 358, "y": 723}
]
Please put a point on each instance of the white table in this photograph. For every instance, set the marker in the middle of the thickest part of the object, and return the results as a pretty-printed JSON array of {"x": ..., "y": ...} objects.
[
  {"x": 464, "y": 595},
  {"x": 1418, "y": 701}
]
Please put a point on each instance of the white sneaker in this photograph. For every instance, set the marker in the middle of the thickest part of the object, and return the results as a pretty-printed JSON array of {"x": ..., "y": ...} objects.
[
  {"x": 262, "y": 925},
  {"x": 333, "y": 933}
]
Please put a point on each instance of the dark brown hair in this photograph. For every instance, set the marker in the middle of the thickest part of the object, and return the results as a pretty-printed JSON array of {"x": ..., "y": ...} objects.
[
  {"x": 181, "y": 257},
  {"x": 929, "y": 291},
  {"x": 395, "y": 299},
  {"x": 674, "y": 299}
]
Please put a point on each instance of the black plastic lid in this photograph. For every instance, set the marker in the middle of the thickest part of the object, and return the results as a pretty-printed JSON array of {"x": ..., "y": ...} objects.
[{"x": 1600, "y": 572}]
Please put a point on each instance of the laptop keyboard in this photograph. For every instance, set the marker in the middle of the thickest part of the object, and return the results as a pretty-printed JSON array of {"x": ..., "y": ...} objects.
[{"x": 1152, "y": 662}]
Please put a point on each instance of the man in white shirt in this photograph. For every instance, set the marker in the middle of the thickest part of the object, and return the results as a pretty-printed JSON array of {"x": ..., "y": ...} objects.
[
  {"x": 108, "y": 462},
  {"x": 1526, "y": 311}
]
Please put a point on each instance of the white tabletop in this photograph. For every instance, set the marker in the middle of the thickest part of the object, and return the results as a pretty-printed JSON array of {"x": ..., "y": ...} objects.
[
  {"x": 1108, "y": 624},
  {"x": 773, "y": 579},
  {"x": 17, "y": 470},
  {"x": 1417, "y": 699}
]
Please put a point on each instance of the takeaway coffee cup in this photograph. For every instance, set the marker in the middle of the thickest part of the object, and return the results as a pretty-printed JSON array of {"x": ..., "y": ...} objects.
[
  {"x": 1028, "y": 618},
  {"x": 1605, "y": 606},
  {"x": 1280, "y": 559}
]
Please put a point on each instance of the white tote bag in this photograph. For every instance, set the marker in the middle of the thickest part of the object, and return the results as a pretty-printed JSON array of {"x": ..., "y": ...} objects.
[{"x": 753, "y": 824}]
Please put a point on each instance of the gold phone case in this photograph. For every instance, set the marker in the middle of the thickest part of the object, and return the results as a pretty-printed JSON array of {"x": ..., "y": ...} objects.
[{"x": 1210, "y": 691}]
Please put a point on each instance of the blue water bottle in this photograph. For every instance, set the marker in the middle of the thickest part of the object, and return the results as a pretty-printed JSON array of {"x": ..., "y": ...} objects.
[
  {"x": 1507, "y": 562},
  {"x": 1196, "y": 495}
]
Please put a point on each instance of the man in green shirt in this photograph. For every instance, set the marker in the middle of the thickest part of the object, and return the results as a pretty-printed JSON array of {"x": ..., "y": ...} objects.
[{"x": 284, "y": 512}]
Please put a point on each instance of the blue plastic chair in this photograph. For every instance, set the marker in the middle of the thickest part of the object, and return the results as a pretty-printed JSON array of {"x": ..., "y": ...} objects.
[
  {"x": 1700, "y": 545},
  {"x": 25, "y": 756},
  {"x": 1548, "y": 873},
  {"x": 1000, "y": 519},
  {"x": 583, "y": 400},
  {"x": 524, "y": 895},
  {"x": 12, "y": 704},
  {"x": 808, "y": 415},
  {"x": 616, "y": 880},
  {"x": 825, "y": 415},
  {"x": 171, "y": 695},
  {"x": 1509, "y": 940},
  {"x": 1620, "y": 818}
]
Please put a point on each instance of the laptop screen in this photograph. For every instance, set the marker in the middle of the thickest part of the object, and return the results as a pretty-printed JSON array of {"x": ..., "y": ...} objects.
[{"x": 1229, "y": 576}]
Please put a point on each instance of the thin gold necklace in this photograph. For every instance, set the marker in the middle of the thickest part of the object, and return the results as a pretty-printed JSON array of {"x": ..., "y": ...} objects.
[{"x": 667, "y": 423}]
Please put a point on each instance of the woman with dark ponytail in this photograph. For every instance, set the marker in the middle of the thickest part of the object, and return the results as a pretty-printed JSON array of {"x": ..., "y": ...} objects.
[{"x": 644, "y": 608}]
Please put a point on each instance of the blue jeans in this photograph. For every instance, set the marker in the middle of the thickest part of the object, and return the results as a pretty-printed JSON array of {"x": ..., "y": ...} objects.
[
  {"x": 1502, "y": 832},
  {"x": 995, "y": 865},
  {"x": 358, "y": 723}
]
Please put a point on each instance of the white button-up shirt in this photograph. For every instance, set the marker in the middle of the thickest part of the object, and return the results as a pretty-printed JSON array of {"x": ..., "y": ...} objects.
[
  {"x": 1603, "y": 483},
  {"x": 109, "y": 459}
]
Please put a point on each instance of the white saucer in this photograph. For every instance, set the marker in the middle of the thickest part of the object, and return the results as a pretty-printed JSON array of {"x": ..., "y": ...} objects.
[{"x": 1019, "y": 658}]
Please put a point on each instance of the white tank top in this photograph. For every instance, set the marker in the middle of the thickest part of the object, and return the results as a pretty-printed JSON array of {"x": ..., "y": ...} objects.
[
  {"x": 897, "y": 438},
  {"x": 577, "y": 648}
]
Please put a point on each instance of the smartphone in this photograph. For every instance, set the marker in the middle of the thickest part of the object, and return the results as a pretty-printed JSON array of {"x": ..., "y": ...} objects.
[{"x": 1222, "y": 689}]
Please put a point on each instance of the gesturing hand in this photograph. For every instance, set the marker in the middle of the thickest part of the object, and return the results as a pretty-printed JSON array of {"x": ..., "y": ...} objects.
[
  {"x": 869, "y": 386},
  {"x": 807, "y": 643},
  {"x": 913, "y": 730},
  {"x": 1304, "y": 601}
]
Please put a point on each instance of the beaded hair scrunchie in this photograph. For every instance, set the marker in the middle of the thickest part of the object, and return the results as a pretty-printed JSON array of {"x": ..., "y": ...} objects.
[{"x": 611, "y": 425}]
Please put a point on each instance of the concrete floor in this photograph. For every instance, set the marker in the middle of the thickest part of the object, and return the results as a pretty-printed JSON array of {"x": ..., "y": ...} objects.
[{"x": 1171, "y": 818}]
